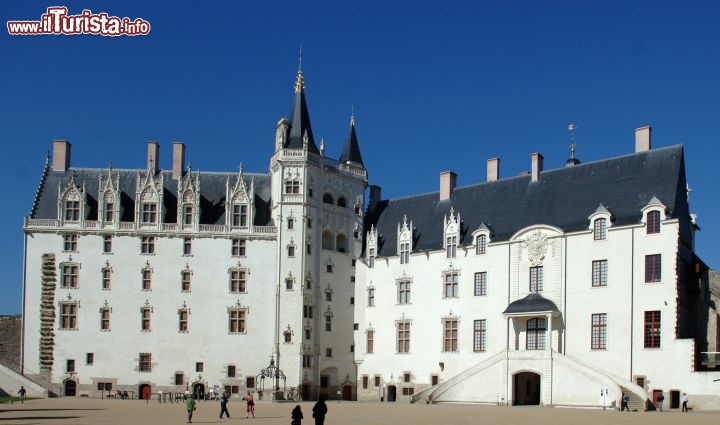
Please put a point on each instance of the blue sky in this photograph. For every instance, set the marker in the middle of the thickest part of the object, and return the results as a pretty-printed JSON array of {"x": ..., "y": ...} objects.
[{"x": 435, "y": 86}]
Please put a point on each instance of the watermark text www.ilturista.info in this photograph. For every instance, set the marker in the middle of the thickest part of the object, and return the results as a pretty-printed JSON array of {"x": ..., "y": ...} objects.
[{"x": 56, "y": 21}]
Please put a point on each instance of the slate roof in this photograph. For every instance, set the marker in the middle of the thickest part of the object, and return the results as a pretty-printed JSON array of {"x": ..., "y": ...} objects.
[
  {"x": 562, "y": 197},
  {"x": 212, "y": 194},
  {"x": 300, "y": 120},
  {"x": 351, "y": 151},
  {"x": 532, "y": 303}
]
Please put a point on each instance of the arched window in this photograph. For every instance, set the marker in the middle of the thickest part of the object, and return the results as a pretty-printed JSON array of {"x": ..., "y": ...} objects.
[
  {"x": 600, "y": 229},
  {"x": 653, "y": 222},
  {"x": 328, "y": 199},
  {"x": 536, "y": 329},
  {"x": 327, "y": 239},
  {"x": 341, "y": 243},
  {"x": 341, "y": 202}
]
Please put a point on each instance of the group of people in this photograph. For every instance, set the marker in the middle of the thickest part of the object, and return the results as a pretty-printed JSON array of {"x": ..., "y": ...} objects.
[
  {"x": 625, "y": 401},
  {"x": 319, "y": 410}
]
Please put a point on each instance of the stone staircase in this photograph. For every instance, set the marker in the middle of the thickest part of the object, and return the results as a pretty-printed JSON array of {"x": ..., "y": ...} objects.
[{"x": 636, "y": 404}]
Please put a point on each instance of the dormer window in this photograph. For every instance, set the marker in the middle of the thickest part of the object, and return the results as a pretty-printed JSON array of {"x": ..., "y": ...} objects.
[
  {"x": 600, "y": 229},
  {"x": 149, "y": 213},
  {"x": 239, "y": 216},
  {"x": 109, "y": 209},
  {"x": 653, "y": 222},
  {"x": 451, "y": 227},
  {"x": 371, "y": 258},
  {"x": 451, "y": 246},
  {"x": 404, "y": 253},
  {"x": 187, "y": 215},
  {"x": 481, "y": 244},
  {"x": 405, "y": 234},
  {"x": 72, "y": 210}
]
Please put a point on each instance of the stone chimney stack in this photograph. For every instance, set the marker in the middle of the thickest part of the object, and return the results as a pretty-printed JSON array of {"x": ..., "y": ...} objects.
[
  {"x": 178, "y": 166},
  {"x": 61, "y": 155},
  {"x": 642, "y": 139},
  {"x": 537, "y": 166},
  {"x": 153, "y": 156},
  {"x": 448, "y": 179},
  {"x": 493, "y": 169},
  {"x": 375, "y": 197}
]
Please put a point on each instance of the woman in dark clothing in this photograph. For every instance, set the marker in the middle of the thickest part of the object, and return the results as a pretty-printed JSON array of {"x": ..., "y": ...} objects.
[{"x": 319, "y": 411}]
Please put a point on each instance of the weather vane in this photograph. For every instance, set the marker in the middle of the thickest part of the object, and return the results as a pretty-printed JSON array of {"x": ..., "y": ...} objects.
[{"x": 571, "y": 128}]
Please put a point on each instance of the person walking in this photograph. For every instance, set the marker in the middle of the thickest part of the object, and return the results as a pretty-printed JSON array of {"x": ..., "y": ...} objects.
[
  {"x": 22, "y": 393},
  {"x": 660, "y": 400},
  {"x": 250, "y": 405},
  {"x": 320, "y": 410},
  {"x": 624, "y": 402},
  {"x": 190, "y": 406},
  {"x": 223, "y": 406},
  {"x": 684, "y": 402},
  {"x": 296, "y": 416}
]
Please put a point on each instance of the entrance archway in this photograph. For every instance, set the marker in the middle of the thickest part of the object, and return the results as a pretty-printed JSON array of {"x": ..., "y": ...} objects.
[
  {"x": 199, "y": 391},
  {"x": 391, "y": 393},
  {"x": 347, "y": 392},
  {"x": 526, "y": 389},
  {"x": 70, "y": 388},
  {"x": 145, "y": 392}
]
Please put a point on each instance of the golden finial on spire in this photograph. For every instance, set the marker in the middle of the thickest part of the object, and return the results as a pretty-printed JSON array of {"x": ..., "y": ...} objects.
[
  {"x": 352, "y": 114},
  {"x": 299, "y": 85}
]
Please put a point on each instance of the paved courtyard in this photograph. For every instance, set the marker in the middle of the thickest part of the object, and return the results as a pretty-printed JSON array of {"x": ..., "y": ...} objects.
[{"x": 112, "y": 412}]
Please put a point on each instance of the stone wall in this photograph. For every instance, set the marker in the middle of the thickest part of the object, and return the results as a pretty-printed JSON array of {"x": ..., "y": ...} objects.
[{"x": 10, "y": 328}]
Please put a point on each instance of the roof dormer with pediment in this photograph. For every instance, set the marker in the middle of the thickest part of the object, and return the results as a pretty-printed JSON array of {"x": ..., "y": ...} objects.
[
  {"x": 405, "y": 235},
  {"x": 109, "y": 199},
  {"x": 72, "y": 202},
  {"x": 149, "y": 195},
  {"x": 240, "y": 204},
  {"x": 188, "y": 209}
]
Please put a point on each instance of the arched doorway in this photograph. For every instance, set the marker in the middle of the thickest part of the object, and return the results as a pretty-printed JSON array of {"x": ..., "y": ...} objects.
[
  {"x": 145, "y": 392},
  {"x": 347, "y": 392},
  {"x": 199, "y": 390},
  {"x": 391, "y": 393},
  {"x": 305, "y": 391},
  {"x": 526, "y": 389},
  {"x": 70, "y": 388}
]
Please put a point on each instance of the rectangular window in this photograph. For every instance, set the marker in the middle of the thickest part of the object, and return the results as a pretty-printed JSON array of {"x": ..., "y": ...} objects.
[
  {"x": 653, "y": 265},
  {"x": 238, "y": 248},
  {"x": 480, "y": 287},
  {"x": 600, "y": 229},
  {"x": 179, "y": 378},
  {"x": 107, "y": 244},
  {"x": 450, "y": 335},
  {"x": 289, "y": 284},
  {"x": 70, "y": 242},
  {"x": 653, "y": 222},
  {"x": 308, "y": 333},
  {"x": 185, "y": 280},
  {"x": 105, "y": 277},
  {"x": 145, "y": 363},
  {"x": 404, "y": 253},
  {"x": 250, "y": 382},
  {"x": 68, "y": 316},
  {"x": 371, "y": 258},
  {"x": 371, "y": 297},
  {"x": 434, "y": 380},
  {"x": 149, "y": 213},
  {"x": 479, "y": 335},
  {"x": 109, "y": 212},
  {"x": 370, "y": 341},
  {"x": 599, "y": 273},
  {"x": 451, "y": 246},
  {"x": 404, "y": 292},
  {"x": 240, "y": 216},
  {"x": 199, "y": 366},
  {"x": 403, "y": 337},
  {"x": 328, "y": 323},
  {"x": 652, "y": 329},
  {"x": 406, "y": 377},
  {"x": 328, "y": 296},
  {"x": 292, "y": 186},
  {"x": 329, "y": 268},
  {"x": 535, "y": 336},
  {"x": 307, "y": 311},
  {"x": 70, "y": 365},
  {"x": 291, "y": 251},
  {"x": 145, "y": 319},
  {"x": 187, "y": 215},
  {"x": 598, "y": 338},
  {"x": 324, "y": 381},
  {"x": 70, "y": 276},
  {"x": 72, "y": 210},
  {"x": 237, "y": 321},
  {"x": 104, "y": 319},
  {"x": 376, "y": 378},
  {"x": 290, "y": 223},
  {"x": 146, "y": 280},
  {"x": 328, "y": 352},
  {"x": 451, "y": 285},
  {"x": 536, "y": 279},
  {"x": 183, "y": 321},
  {"x": 238, "y": 281},
  {"x": 187, "y": 246},
  {"x": 481, "y": 244},
  {"x": 307, "y": 360},
  {"x": 231, "y": 371},
  {"x": 147, "y": 245},
  {"x": 364, "y": 382}
]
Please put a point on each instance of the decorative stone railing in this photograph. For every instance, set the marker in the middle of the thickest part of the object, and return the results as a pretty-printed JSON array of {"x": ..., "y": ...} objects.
[{"x": 48, "y": 223}]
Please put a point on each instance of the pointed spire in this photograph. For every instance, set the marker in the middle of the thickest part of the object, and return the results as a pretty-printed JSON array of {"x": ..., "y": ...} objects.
[
  {"x": 300, "y": 118},
  {"x": 351, "y": 151}
]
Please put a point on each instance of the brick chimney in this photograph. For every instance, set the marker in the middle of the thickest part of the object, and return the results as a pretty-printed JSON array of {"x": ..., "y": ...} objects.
[
  {"x": 375, "y": 192},
  {"x": 537, "y": 166},
  {"x": 61, "y": 155},
  {"x": 153, "y": 156},
  {"x": 642, "y": 139},
  {"x": 448, "y": 179},
  {"x": 493, "y": 169},
  {"x": 178, "y": 160}
]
